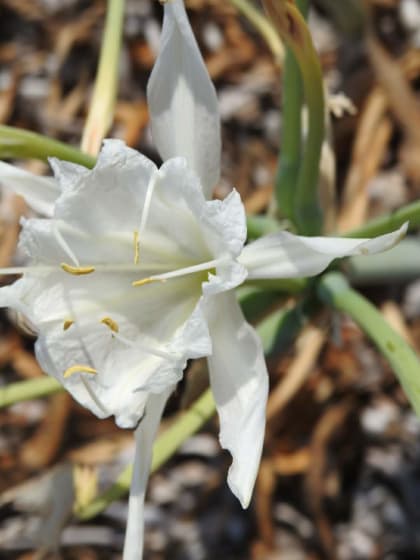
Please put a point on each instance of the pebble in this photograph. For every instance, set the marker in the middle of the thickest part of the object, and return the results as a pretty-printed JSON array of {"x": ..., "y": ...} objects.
[
  {"x": 213, "y": 37},
  {"x": 203, "y": 445},
  {"x": 378, "y": 417}
]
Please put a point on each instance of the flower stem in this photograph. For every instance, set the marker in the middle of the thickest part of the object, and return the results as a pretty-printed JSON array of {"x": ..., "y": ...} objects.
[
  {"x": 334, "y": 290},
  {"x": 144, "y": 435},
  {"x": 101, "y": 113},
  {"x": 295, "y": 33},
  {"x": 261, "y": 225},
  {"x": 291, "y": 140},
  {"x": 26, "y": 390},
  {"x": 263, "y": 26},
  {"x": 20, "y": 143},
  {"x": 166, "y": 445},
  {"x": 384, "y": 224}
]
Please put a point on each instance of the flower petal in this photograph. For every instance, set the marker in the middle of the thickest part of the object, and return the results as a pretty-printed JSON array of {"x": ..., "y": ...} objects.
[
  {"x": 284, "y": 255},
  {"x": 109, "y": 197},
  {"x": 182, "y": 100},
  {"x": 239, "y": 381},
  {"x": 157, "y": 328},
  {"x": 181, "y": 213},
  {"x": 145, "y": 436},
  {"x": 39, "y": 192}
]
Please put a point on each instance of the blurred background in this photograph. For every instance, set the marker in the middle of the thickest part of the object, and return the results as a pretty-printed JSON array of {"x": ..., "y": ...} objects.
[{"x": 340, "y": 476}]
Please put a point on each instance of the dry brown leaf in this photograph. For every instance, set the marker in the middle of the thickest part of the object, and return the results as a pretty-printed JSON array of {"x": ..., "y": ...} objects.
[
  {"x": 315, "y": 481},
  {"x": 308, "y": 346},
  {"x": 372, "y": 138}
]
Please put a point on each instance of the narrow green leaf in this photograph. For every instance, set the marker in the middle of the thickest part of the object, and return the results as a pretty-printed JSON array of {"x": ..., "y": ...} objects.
[
  {"x": 389, "y": 222},
  {"x": 334, "y": 290},
  {"x": 101, "y": 112},
  {"x": 26, "y": 390},
  {"x": 20, "y": 143}
]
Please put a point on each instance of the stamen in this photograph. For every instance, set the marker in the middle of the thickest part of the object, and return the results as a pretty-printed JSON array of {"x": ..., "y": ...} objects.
[
  {"x": 39, "y": 268},
  {"x": 77, "y": 270},
  {"x": 67, "y": 324},
  {"x": 64, "y": 245},
  {"x": 148, "y": 201},
  {"x": 136, "y": 247},
  {"x": 208, "y": 266},
  {"x": 113, "y": 325},
  {"x": 145, "y": 281},
  {"x": 78, "y": 369}
]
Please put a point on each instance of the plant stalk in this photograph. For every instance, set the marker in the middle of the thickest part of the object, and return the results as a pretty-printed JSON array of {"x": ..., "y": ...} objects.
[
  {"x": 101, "y": 113},
  {"x": 334, "y": 290}
]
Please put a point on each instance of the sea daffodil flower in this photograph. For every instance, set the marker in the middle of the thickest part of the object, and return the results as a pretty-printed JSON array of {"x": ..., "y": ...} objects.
[{"x": 133, "y": 273}]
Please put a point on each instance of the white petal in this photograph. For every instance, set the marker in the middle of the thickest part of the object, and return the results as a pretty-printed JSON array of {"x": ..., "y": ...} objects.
[
  {"x": 160, "y": 327},
  {"x": 154, "y": 322},
  {"x": 13, "y": 296},
  {"x": 39, "y": 192},
  {"x": 225, "y": 224},
  {"x": 110, "y": 196},
  {"x": 182, "y": 100},
  {"x": 239, "y": 381},
  {"x": 54, "y": 241},
  {"x": 145, "y": 436},
  {"x": 181, "y": 213},
  {"x": 284, "y": 255}
]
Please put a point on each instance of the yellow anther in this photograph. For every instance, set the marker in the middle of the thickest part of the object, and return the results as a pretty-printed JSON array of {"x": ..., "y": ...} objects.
[
  {"x": 77, "y": 270},
  {"x": 67, "y": 324},
  {"x": 113, "y": 325},
  {"x": 78, "y": 369},
  {"x": 145, "y": 281}
]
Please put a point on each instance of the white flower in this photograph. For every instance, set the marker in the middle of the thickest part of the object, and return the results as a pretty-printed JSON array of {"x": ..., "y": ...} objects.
[{"x": 133, "y": 272}]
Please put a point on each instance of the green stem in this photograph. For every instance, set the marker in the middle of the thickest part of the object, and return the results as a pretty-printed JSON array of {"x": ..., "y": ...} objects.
[
  {"x": 278, "y": 331},
  {"x": 291, "y": 139},
  {"x": 20, "y": 143},
  {"x": 263, "y": 26},
  {"x": 101, "y": 113},
  {"x": 26, "y": 390},
  {"x": 308, "y": 213},
  {"x": 389, "y": 222},
  {"x": 295, "y": 33},
  {"x": 166, "y": 445},
  {"x": 284, "y": 286},
  {"x": 261, "y": 225},
  {"x": 334, "y": 290}
]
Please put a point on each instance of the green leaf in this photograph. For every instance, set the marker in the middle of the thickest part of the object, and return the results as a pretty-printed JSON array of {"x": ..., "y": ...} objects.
[{"x": 334, "y": 290}]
